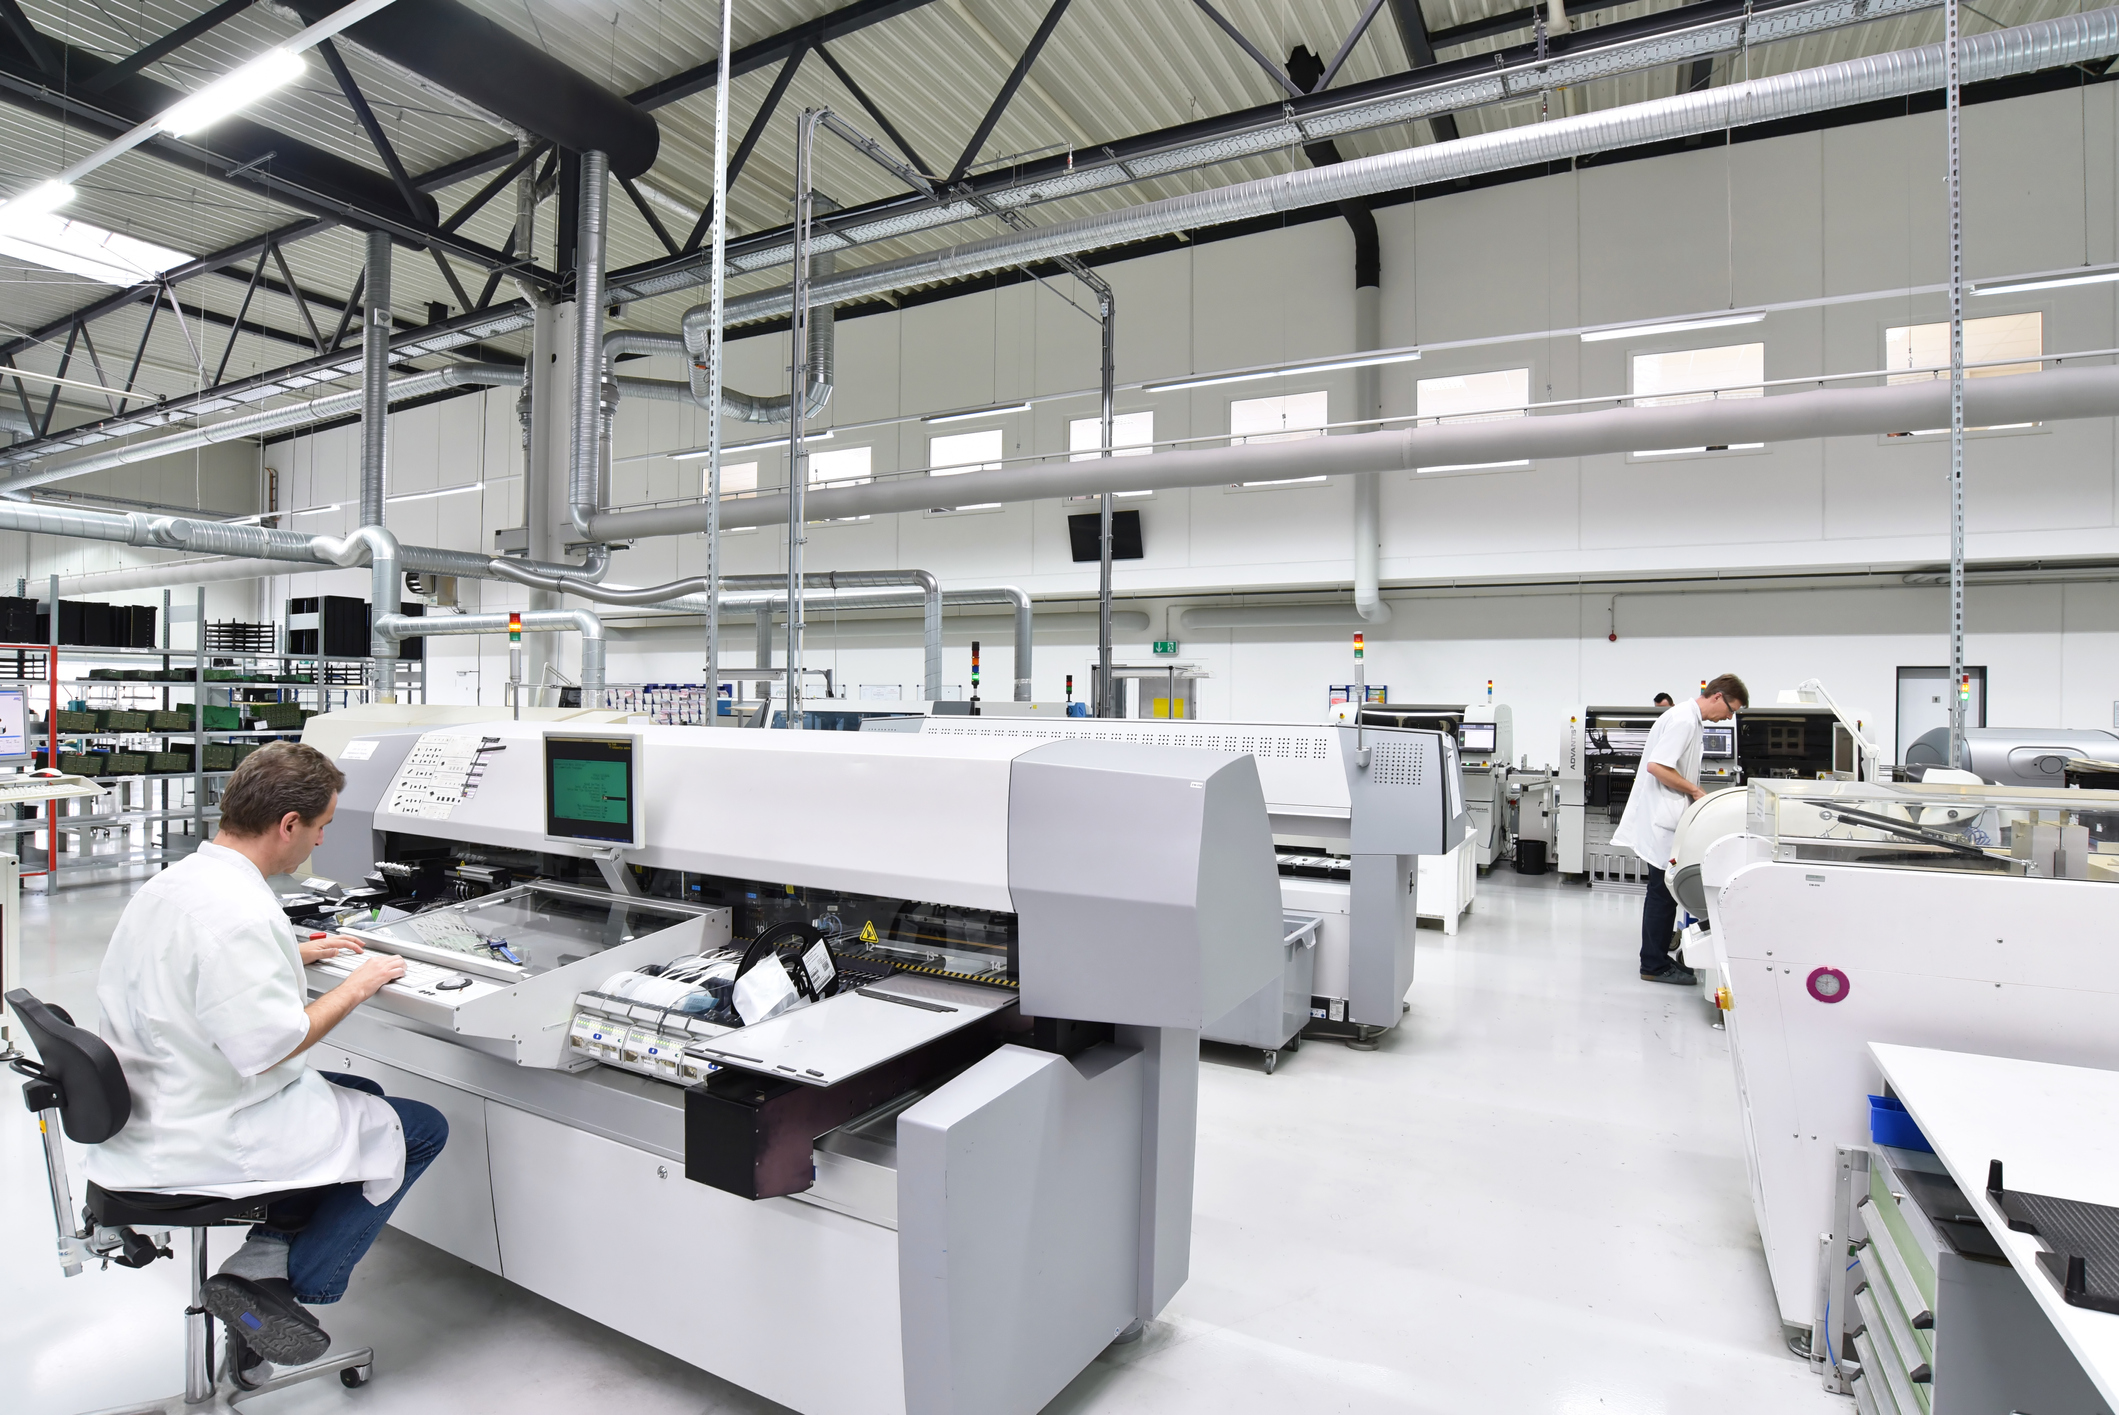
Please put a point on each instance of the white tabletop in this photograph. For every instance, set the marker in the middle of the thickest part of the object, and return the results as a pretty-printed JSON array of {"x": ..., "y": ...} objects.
[{"x": 2055, "y": 1130}]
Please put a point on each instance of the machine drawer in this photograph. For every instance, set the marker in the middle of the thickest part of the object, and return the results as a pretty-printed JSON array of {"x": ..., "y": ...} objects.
[
  {"x": 1891, "y": 1362},
  {"x": 1911, "y": 1319},
  {"x": 1919, "y": 1243},
  {"x": 1872, "y": 1393}
]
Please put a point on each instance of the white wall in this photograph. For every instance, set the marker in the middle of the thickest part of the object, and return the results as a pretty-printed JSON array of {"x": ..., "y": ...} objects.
[{"x": 1829, "y": 213}]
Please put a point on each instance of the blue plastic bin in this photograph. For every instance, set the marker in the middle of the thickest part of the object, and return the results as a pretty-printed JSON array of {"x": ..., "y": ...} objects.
[{"x": 1890, "y": 1125}]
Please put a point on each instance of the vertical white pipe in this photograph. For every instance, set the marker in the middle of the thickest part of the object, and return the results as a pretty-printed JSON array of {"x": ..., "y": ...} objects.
[
  {"x": 1368, "y": 486},
  {"x": 798, "y": 410},
  {"x": 1107, "y": 695}
]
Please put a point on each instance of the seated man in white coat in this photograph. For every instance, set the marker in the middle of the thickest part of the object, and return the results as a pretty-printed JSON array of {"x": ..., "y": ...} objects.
[{"x": 205, "y": 1004}]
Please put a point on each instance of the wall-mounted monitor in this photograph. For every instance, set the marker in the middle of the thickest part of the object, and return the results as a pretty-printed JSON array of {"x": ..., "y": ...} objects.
[
  {"x": 14, "y": 725},
  {"x": 591, "y": 789},
  {"x": 1479, "y": 739}
]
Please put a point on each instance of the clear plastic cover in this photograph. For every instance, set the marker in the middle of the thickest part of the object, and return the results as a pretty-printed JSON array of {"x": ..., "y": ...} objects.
[{"x": 2038, "y": 833}]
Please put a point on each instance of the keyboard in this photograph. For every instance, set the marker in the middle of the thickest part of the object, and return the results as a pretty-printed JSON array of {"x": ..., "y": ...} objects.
[{"x": 423, "y": 979}]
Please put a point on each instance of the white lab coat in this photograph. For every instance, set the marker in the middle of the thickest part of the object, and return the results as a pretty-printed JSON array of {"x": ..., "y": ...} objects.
[
  {"x": 1649, "y": 825},
  {"x": 202, "y": 995}
]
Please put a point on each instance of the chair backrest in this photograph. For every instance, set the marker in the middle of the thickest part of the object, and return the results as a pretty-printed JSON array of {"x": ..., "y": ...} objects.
[{"x": 94, "y": 1102}]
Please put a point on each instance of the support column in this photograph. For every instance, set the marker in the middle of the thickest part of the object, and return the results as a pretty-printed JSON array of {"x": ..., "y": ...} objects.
[{"x": 545, "y": 486}]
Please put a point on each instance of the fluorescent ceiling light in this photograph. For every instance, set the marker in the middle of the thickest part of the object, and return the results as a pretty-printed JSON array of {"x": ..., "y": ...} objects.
[
  {"x": 1676, "y": 326},
  {"x": 430, "y": 495},
  {"x": 1473, "y": 466},
  {"x": 1356, "y": 361},
  {"x": 40, "y": 200},
  {"x": 311, "y": 511},
  {"x": 237, "y": 89},
  {"x": 42, "y": 238},
  {"x": 993, "y": 412},
  {"x": 698, "y": 452},
  {"x": 2057, "y": 282},
  {"x": 1285, "y": 481}
]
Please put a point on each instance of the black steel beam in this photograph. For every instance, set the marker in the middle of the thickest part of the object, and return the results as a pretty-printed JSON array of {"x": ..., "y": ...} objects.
[
  {"x": 493, "y": 188},
  {"x": 868, "y": 106},
  {"x": 358, "y": 102},
  {"x": 756, "y": 130},
  {"x": 1346, "y": 47},
  {"x": 448, "y": 273},
  {"x": 1014, "y": 81},
  {"x": 1420, "y": 54},
  {"x": 1509, "y": 21},
  {"x": 152, "y": 289},
  {"x": 301, "y": 299},
  {"x": 839, "y": 23},
  {"x": 647, "y": 214},
  {"x": 168, "y": 44},
  {"x": 249, "y": 293},
  {"x": 1228, "y": 27},
  {"x": 31, "y": 39}
]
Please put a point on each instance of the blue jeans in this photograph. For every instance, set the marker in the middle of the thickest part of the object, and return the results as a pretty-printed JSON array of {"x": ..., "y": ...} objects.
[{"x": 341, "y": 1224}]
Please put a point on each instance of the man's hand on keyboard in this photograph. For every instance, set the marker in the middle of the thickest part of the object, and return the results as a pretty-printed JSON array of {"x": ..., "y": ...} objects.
[
  {"x": 319, "y": 946},
  {"x": 378, "y": 969}
]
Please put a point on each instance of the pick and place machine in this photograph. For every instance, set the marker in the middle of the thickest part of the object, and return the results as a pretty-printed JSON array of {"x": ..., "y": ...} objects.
[
  {"x": 1353, "y": 809},
  {"x": 860, "y": 1070}
]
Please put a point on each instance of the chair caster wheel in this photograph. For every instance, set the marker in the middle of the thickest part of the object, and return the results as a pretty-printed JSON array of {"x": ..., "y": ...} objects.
[
  {"x": 353, "y": 1377},
  {"x": 1272, "y": 1060}
]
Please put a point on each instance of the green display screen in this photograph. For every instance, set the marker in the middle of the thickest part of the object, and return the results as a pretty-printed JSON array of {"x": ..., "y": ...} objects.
[
  {"x": 590, "y": 791},
  {"x": 589, "y": 788}
]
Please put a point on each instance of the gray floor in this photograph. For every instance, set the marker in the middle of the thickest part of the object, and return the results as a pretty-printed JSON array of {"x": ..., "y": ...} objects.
[{"x": 1531, "y": 1199}]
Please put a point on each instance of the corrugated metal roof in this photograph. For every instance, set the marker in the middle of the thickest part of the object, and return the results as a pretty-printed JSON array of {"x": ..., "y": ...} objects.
[{"x": 1113, "y": 68}]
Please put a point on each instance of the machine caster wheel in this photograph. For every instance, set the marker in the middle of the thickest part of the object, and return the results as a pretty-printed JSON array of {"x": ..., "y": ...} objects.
[
  {"x": 354, "y": 1377},
  {"x": 1294, "y": 1043},
  {"x": 1365, "y": 1041},
  {"x": 1272, "y": 1060}
]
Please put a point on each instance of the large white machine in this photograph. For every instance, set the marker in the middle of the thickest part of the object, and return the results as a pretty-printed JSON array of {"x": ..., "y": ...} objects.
[
  {"x": 1353, "y": 809},
  {"x": 1486, "y": 740},
  {"x": 860, "y": 1070},
  {"x": 1969, "y": 917}
]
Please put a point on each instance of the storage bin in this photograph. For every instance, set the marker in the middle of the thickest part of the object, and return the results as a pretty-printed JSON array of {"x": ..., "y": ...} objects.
[
  {"x": 81, "y": 763},
  {"x": 1890, "y": 1125},
  {"x": 121, "y": 720},
  {"x": 75, "y": 721},
  {"x": 124, "y": 763}
]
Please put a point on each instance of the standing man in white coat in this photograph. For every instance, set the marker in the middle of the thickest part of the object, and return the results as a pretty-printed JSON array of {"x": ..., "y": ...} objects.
[
  {"x": 1668, "y": 782},
  {"x": 205, "y": 1003}
]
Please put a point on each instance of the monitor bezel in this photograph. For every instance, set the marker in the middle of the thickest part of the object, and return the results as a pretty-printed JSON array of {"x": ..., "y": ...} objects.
[
  {"x": 29, "y": 744},
  {"x": 637, "y": 811}
]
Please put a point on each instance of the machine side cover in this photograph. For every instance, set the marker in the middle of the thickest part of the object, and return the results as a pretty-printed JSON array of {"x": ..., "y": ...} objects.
[
  {"x": 350, "y": 847},
  {"x": 1144, "y": 882}
]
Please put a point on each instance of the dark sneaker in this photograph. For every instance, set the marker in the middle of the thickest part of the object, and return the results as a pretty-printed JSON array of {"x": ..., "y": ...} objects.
[
  {"x": 1676, "y": 973},
  {"x": 263, "y": 1313},
  {"x": 246, "y": 1367}
]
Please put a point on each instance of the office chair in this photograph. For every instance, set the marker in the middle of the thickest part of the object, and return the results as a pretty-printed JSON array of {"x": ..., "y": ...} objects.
[{"x": 76, "y": 1082}]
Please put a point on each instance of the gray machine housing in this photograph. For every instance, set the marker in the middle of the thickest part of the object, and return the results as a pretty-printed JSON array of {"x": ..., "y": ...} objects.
[{"x": 2016, "y": 756}]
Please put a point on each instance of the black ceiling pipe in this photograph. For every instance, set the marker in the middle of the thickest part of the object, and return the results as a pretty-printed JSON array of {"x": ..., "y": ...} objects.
[
  {"x": 132, "y": 100},
  {"x": 476, "y": 59}
]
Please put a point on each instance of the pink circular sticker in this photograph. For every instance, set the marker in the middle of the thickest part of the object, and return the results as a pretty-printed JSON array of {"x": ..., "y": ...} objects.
[{"x": 1828, "y": 985}]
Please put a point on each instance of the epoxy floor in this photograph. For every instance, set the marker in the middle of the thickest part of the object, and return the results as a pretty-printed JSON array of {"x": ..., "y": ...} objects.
[{"x": 1531, "y": 1201}]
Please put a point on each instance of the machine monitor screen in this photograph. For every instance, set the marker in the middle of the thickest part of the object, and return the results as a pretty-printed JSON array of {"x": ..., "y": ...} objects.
[
  {"x": 1718, "y": 742},
  {"x": 591, "y": 789},
  {"x": 14, "y": 725},
  {"x": 1480, "y": 738}
]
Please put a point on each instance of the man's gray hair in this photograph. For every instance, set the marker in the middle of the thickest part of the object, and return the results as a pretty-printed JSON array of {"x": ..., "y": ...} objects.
[{"x": 275, "y": 779}]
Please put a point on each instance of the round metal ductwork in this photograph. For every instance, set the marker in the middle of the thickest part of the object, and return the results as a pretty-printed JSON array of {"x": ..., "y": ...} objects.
[{"x": 491, "y": 66}]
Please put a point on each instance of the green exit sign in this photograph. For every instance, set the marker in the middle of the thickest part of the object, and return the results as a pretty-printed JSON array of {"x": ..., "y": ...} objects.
[{"x": 1167, "y": 646}]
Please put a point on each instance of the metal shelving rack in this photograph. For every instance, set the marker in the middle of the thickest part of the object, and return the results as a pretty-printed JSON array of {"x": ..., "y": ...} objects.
[{"x": 156, "y": 817}]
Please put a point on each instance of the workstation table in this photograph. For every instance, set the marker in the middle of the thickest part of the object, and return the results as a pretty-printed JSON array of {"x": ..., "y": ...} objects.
[{"x": 2056, "y": 1131}]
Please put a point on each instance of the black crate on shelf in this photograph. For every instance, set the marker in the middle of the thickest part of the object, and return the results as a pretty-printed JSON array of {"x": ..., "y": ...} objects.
[
  {"x": 302, "y": 625},
  {"x": 18, "y": 620},
  {"x": 139, "y": 625},
  {"x": 345, "y": 626},
  {"x": 99, "y": 626},
  {"x": 235, "y": 636}
]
